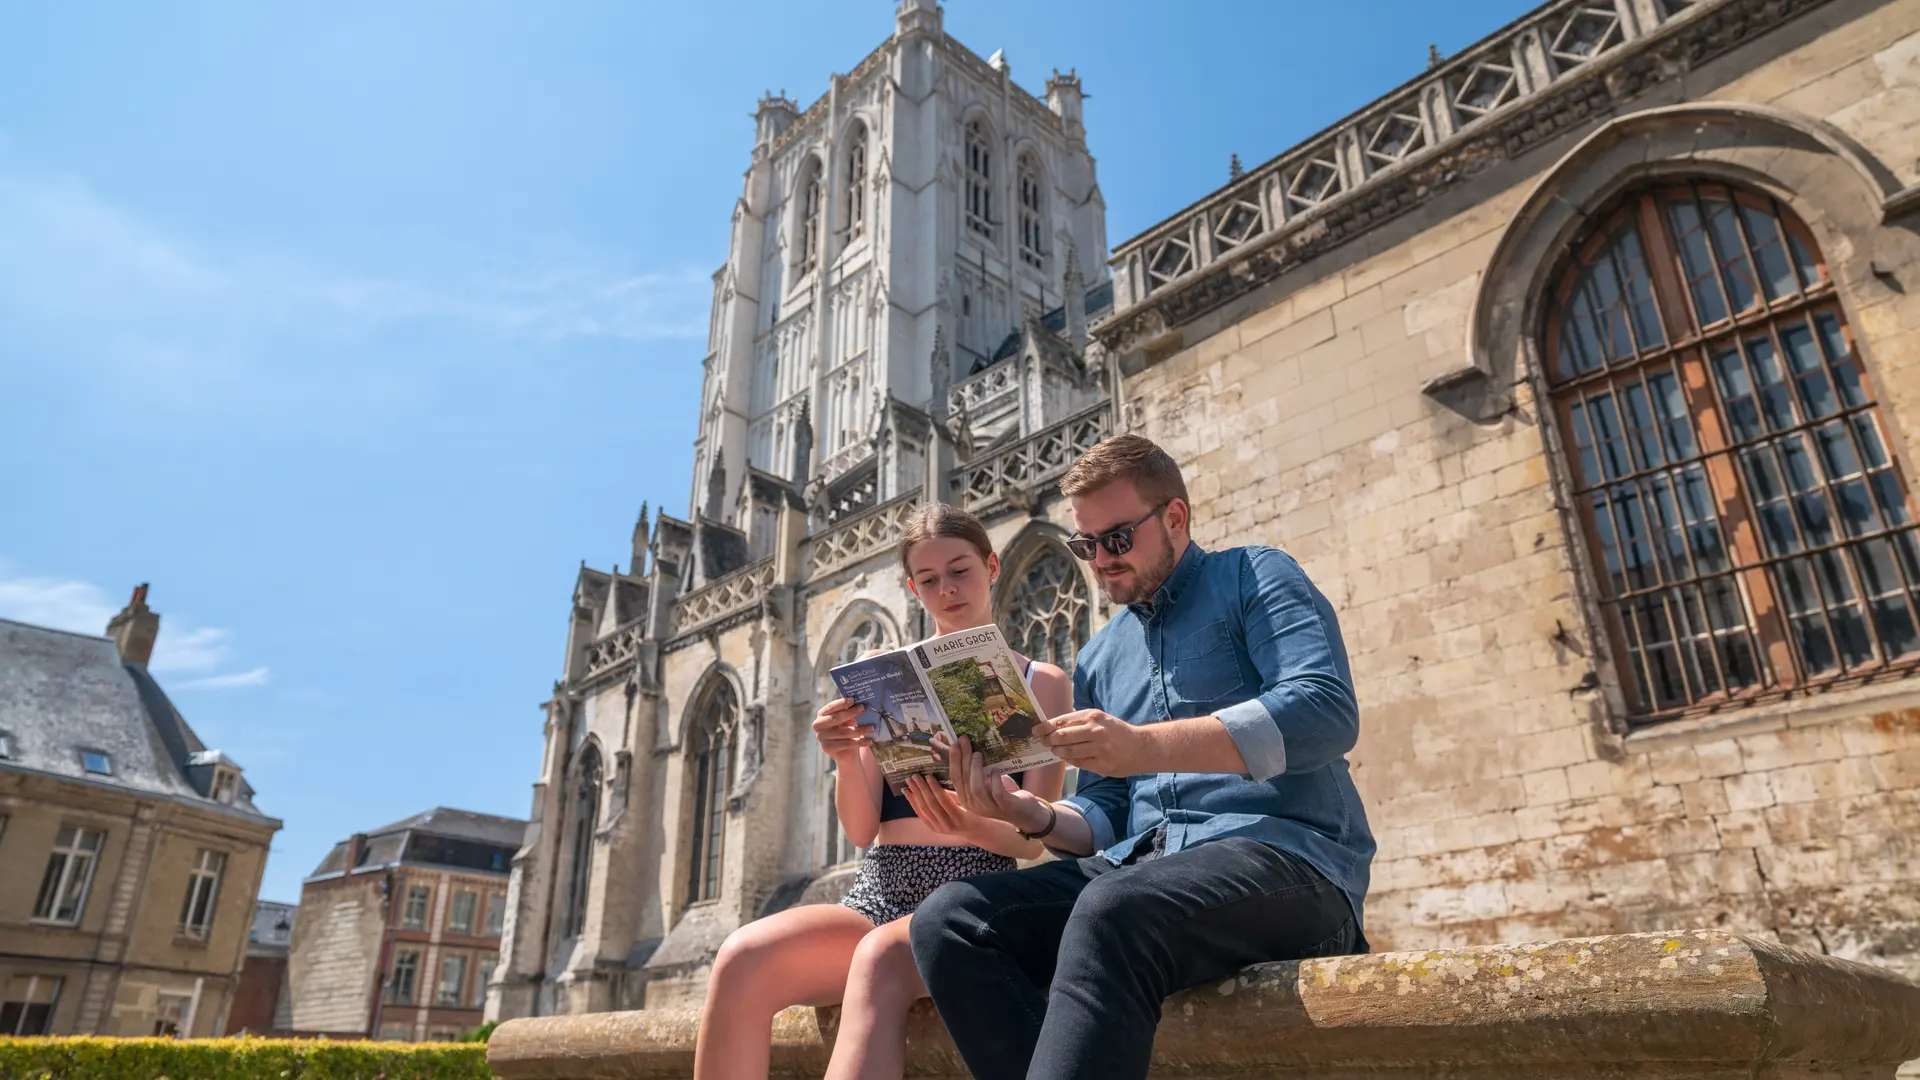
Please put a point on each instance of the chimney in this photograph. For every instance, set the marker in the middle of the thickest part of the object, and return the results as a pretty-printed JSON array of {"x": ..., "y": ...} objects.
[
  {"x": 356, "y": 851},
  {"x": 135, "y": 629}
]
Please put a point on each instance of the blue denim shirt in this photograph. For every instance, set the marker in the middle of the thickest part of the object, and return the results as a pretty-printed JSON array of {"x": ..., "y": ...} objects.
[{"x": 1240, "y": 634}]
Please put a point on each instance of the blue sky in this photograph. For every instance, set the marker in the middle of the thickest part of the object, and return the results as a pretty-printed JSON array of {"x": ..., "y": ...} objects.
[{"x": 354, "y": 327}]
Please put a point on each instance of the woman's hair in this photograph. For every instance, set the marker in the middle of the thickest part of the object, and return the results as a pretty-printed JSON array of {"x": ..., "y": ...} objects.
[{"x": 937, "y": 520}]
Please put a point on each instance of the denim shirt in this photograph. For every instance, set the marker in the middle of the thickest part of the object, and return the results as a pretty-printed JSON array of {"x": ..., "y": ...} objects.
[{"x": 1240, "y": 634}]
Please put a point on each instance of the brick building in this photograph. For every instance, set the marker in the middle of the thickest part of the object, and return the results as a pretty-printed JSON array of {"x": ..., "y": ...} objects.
[
  {"x": 398, "y": 929},
  {"x": 263, "y": 1003},
  {"x": 133, "y": 852}
]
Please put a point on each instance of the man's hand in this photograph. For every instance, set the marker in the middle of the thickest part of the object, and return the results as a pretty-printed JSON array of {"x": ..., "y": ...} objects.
[
  {"x": 995, "y": 797},
  {"x": 1099, "y": 742}
]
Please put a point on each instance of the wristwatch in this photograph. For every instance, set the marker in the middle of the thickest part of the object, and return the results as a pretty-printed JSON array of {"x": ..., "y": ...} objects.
[{"x": 1053, "y": 818}]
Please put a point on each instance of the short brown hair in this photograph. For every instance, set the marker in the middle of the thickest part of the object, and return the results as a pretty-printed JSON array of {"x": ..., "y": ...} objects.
[
  {"x": 1152, "y": 471},
  {"x": 936, "y": 520}
]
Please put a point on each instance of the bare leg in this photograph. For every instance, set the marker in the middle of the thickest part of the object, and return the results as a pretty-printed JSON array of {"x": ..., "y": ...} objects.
[
  {"x": 882, "y": 985},
  {"x": 796, "y": 957}
]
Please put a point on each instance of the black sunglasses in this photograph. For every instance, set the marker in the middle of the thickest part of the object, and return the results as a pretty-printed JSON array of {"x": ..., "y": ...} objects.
[{"x": 1117, "y": 540}]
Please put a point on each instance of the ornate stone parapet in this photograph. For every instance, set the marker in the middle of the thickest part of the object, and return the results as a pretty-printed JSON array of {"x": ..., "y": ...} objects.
[
  {"x": 860, "y": 536},
  {"x": 737, "y": 593},
  {"x": 1555, "y": 69},
  {"x": 1015, "y": 474},
  {"x": 1701, "y": 1005},
  {"x": 613, "y": 651},
  {"x": 987, "y": 394}
]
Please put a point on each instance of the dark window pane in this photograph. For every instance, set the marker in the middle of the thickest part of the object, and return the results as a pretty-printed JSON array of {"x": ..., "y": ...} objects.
[
  {"x": 1763, "y": 233},
  {"x": 1735, "y": 271}
]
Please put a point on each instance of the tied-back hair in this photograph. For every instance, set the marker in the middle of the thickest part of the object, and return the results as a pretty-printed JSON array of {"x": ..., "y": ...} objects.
[{"x": 936, "y": 520}]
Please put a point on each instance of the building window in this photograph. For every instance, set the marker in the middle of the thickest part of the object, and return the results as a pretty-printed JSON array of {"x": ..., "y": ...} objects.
[
  {"x": 203, "y": 886},
  {"x": 464, "y": 904},
  {"x": 29, "y": 1004},
  {"x": 979, "y": 180},
  {"x": 96, "y": 762},
  {"x": 1048, "y": 612},
  {"x": 1750, "y": 529},
  {"x": 1032, "y": 221},
  {"x": 226, "y": 784},
  {"x": 496, "y": 914},
  {"x": 170, "y": 1017},
  {"x": 857, "y": 184},
  {"x": 6, "y": 745},
  {"x": 710, "y": 756},
  {"x": 406, "y": 972},
  {"x": 586, "y": 818},
  {"x": 483, "y": 980},
  {"x": 453, "y": 980},
  {"x": 811, "y": 196},
  {"x": 63, "y": 889},
  {"x": 396, "y": 1033},
  {"x": 414, "y": 915}
]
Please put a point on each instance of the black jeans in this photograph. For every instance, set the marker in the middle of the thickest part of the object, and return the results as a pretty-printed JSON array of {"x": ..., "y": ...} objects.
[{"x": 1060, "y": 970}]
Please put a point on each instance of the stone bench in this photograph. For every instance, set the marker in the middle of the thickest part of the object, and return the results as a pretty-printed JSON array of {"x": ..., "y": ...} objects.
[{"x": 1698, "y": 1004}]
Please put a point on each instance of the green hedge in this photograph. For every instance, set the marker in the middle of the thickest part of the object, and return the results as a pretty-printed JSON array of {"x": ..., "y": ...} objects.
[{"x": 89, "y": 1058}]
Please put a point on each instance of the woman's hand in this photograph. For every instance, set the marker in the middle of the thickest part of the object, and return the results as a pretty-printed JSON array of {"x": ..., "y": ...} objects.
[
  {"x": 939, "y": 810},
  {"x": 838, "y": 729},
  {"x": 996, "y": 797}
]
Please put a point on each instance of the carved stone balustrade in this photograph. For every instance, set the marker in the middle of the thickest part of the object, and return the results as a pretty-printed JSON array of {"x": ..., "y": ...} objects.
[
  {"x": 735, "y": 594},
  {"x": 613, "y": 651},
  {"x": 987, "y": 394},
  {"x": 1559, "y": 67},
  {"x": 1016, "y": 473},
  {"x": 861, "y": 535},
  {"x": 1698, "y": 1005}
]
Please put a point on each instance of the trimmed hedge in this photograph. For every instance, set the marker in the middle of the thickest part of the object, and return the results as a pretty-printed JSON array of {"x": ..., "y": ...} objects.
[{"x": 98, "y": 1058}]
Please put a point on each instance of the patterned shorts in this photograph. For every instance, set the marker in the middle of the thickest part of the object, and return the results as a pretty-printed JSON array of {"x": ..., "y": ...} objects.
[{"x": 894, "y": 878}]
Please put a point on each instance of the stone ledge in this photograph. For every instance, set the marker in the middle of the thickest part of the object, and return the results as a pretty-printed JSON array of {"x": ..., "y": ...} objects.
[{"x": 1694, "y": 1004}]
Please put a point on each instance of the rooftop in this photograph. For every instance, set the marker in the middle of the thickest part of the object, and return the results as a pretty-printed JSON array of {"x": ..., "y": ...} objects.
[
  {"x": 442, "y": 837},
  {"x": 71, "y": 709}
]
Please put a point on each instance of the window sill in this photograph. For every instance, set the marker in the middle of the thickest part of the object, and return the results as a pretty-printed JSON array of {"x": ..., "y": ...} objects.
[
  {"x": 184, "y": 940},
  {"x": 56, "y": 924},
  {"x": 1801, "y": 711}
]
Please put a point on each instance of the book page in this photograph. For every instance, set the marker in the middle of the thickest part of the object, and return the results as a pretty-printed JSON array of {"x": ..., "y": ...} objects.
[
  {"x": 983, "y": 695},
  {"x": 902, "y": 720}
]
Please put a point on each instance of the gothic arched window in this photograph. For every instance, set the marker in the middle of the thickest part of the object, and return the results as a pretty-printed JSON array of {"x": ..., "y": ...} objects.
[
  {"x": 585, "y": 817},
  {"x": 979, "y": 179},
  {"x": 710, "y": 760},
  {"x": 1048, "y": 614},
  {"x": 857, "y": 184},
  {"x": 1749, "y": 526},
  {"x": 867, "y": 634},
  {"x": 1032, "y": 220},
  {"x": 811, "y": 196}
]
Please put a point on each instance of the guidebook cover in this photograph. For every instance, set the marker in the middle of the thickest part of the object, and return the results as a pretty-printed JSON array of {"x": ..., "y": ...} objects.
[{"x": 921, "y": 698}]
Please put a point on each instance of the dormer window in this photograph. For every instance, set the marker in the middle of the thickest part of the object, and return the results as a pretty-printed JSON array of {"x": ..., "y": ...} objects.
[
  {"x": 226, "y": 784},
  {"x": 96, "y": 762},
  {"x": 6, "y": 746}
]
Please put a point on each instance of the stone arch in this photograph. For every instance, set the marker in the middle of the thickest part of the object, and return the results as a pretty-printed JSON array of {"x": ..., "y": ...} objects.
[
  {"x": 1044, "y": 600},
  {"x": 714, "y": 727},
  {"x": 813, "y": 768},
  {"x": 854, "y": 206},
  {"x": 710, "y": 682},
  {"x": 812, "y": 168},
  {"x": 581, "y": 800},
  {"x": 1834, "y": 185},
  {"x": 845, "y": 624}
]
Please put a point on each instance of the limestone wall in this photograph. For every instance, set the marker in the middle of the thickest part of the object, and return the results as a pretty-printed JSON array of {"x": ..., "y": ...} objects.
[
  {"x": 335, "y": 959},
  {"x": 1508, "y": 802}
]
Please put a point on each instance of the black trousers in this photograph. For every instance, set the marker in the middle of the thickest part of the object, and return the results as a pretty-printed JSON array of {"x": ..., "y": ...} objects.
[{"x": 1060, "y": 970}]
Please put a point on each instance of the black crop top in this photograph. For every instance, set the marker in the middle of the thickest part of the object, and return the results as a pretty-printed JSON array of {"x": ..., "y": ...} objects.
[{"x": 894, "y": 807}]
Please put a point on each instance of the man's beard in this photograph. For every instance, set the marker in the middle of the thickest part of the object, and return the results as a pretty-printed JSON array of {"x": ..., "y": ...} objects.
[{"x": 1144, "y": 582}]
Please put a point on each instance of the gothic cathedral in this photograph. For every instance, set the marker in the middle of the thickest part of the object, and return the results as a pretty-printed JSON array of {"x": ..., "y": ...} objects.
[{"x": 902, "y": 316}]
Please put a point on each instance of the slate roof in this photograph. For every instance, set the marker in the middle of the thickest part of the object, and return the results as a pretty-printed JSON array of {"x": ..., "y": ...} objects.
[
  {"x": 1099, "y": 302},
  {"x": 62, "y": 693},
  {"x": 455, "y": 839}
]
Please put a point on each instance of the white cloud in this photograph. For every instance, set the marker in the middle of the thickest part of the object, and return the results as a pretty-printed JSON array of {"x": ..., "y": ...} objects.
[
  {"x": 254, "y": 677},
  {"x": 72, "y": 255},
  {"x": 84, "y": 608}
]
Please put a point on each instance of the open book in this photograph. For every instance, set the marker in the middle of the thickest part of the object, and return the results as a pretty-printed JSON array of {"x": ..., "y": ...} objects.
[{"x": 921, "y": 698}]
